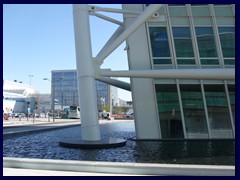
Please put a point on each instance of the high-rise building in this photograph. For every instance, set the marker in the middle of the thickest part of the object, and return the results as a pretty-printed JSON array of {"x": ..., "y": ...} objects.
[
  {"x": 183, "y": 36},
  {"x": 64, "y": 85}
]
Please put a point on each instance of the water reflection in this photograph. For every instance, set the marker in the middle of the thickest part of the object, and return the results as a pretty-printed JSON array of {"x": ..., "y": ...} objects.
[{"x": 45, "y": 146}]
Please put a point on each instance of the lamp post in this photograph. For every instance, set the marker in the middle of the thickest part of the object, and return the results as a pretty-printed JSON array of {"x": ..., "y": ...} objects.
[
  {"x": 53, "y": 94},
  {"x": 103, "y": 102},
  {"x": 30, "y": 76}
]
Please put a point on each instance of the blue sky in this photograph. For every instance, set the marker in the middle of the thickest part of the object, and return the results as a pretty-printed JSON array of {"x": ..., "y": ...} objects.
[{"x": 40, "y": 38}]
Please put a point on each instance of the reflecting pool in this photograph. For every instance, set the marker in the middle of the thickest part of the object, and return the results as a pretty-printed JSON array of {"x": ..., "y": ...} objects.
[{"x": 45, "y": 145}]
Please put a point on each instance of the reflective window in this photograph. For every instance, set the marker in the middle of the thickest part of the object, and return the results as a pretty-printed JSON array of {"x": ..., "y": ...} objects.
[
  {"x": 218, "y": 114},
  {"x": 206, "y": 45},
  {"x": 227, "y": 38},
  {"x": 160, "y": 46},
  {"x": 169, "y": 111},
  {"x": 66, "y": 92},
  {"x": 231, "y": 91},
  {"x": 193, "y": 110},
  {"x": 183, "y": 45},
  {"x": 159, "y": 42}
]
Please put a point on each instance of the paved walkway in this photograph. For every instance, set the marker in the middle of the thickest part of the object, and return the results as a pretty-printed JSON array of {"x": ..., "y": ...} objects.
[{"x": 36, "y": 121}]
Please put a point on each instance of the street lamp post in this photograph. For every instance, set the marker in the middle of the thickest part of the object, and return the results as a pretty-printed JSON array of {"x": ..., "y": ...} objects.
[
  {"x": 103, "y": 102},
  {"x": 53, "y": 94},
  {"x": 30, "y": 76}
]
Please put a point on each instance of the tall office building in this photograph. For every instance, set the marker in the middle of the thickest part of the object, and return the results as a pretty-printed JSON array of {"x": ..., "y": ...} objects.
[
  {"x": 64, "y": 85},
  {"x": 183, "y": 36}
]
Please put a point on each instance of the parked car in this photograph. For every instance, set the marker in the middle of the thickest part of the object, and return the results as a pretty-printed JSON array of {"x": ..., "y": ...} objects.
[
  {"x": 37, "y": 115},
  {"x": 21, "y": 115},
  {"x": 42, "y": 115},
  {"x": 106, "y": 115},
  {"x": 130, "y": 116}
]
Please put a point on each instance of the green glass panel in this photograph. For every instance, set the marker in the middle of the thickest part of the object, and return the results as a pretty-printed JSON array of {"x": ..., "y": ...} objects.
[
  {"x": 218, "y": 114},
  {"x": 162, "y": 61},
  {"x": 169, "y": 111},
  {"x": 227, "y": 38},
  {"x": 209, "y": 61},
  {"x": 206, "y": 42},
  {"x": 159, "y": 42},
  {"x": 193, "y": 109},
  {"x": 186, "y": 61},
  {"x": 231, "y": 91},
  {"x": 183, "y": 42},
  {"x": 229, "y": 61}
]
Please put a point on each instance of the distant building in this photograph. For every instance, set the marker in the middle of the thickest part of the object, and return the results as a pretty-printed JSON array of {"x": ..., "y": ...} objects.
[
  {"x": 17, "y": 97},
  {"x": 66, "y": 90}
]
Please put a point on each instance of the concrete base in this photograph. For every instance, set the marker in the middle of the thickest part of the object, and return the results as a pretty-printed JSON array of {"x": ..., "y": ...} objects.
[
  {"x": 119, "y": 167},
  {"x": 106, "y": 142}
]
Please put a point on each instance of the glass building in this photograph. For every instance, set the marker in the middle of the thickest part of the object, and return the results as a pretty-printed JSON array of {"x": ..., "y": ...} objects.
[
  {"x": 66, "y": 90},
  {"x": 184, "y": 36}
]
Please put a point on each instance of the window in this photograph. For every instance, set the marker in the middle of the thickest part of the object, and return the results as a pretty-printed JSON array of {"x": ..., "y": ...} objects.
[
  {"x": 227, "y": 39},
  {"x": 206, "y": 46},
  {"x": 193, "y": 110},
  {"x": 183, "y": 45},
  {"x": 160, "y": 45},
  {"x": 218, "y": 114},
  {"x": 169, "y": 111},
  {"x": 231, "y": 91}
]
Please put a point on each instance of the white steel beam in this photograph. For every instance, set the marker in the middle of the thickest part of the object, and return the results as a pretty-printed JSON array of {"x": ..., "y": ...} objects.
[
  {"x": 111, "y": 10},
  {"x": 146, "y": 14},
  {"x": 115, "y": 82},
  {"x": 116, "y": 34},
  {"x": 206, "y": 74},
  {"x": 107, "y": 18},
  {"x": 90, "y": 130}
]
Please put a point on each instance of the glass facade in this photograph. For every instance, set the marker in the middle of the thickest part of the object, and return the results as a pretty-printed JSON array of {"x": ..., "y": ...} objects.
[
  {"x": 193, "y": 111},
  {"x": 66, "y": 89},
  {"x": 169, "y": 111},
  {"x": 227, "y": 38},
  {"x": 183, "y": 45},
  {"x": 218, "y": 113},
  {"x": 206, "y": 45},
  {"x": 194, "y": 36},
  {"x": 160, "y": 46},
  {"x": 231, "y": 91}
]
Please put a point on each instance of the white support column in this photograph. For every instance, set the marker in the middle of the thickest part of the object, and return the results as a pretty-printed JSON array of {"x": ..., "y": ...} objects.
[{"x": 86, "y": 83}]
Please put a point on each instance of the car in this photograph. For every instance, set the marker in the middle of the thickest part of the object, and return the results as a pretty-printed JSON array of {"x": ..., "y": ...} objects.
[
  {"x": 20, "y": 115},
  {"x": 36, "y": 115},
  {"x": 42, "y": 115},
  {"x": 106, "y": 115},
  {"x": 130, "y": 116}
]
